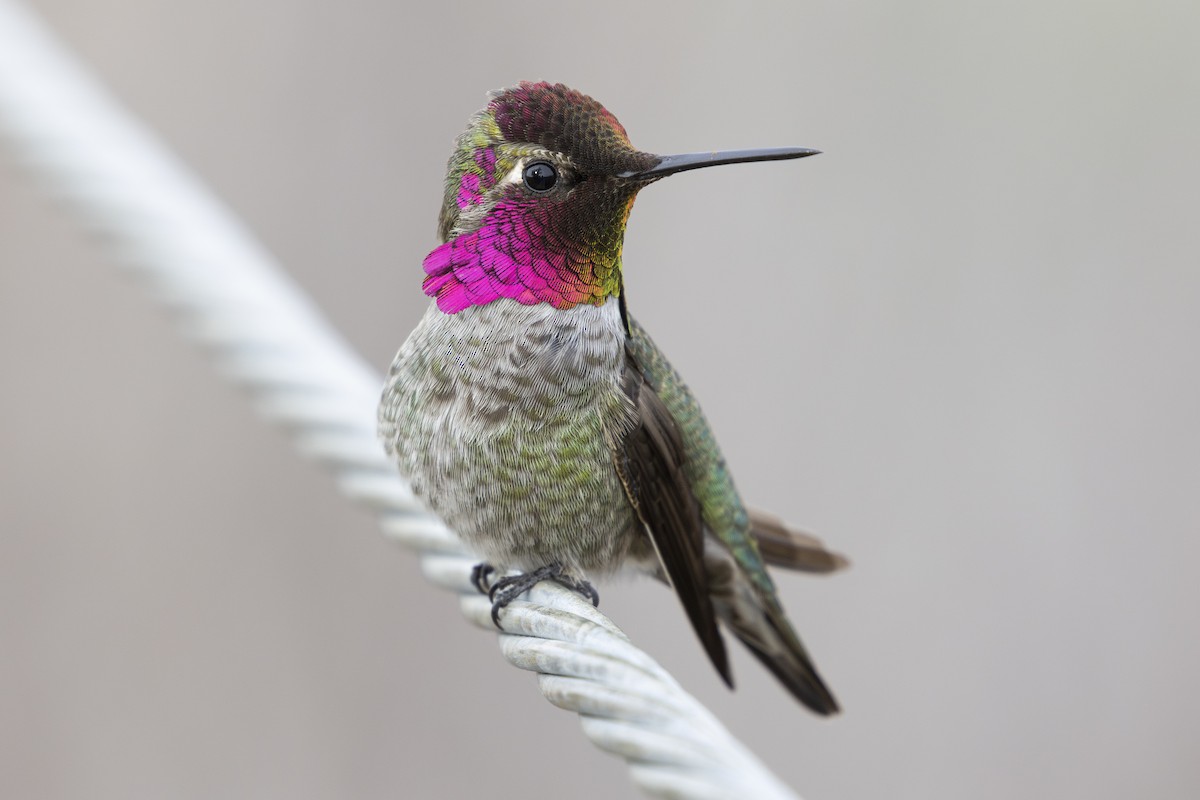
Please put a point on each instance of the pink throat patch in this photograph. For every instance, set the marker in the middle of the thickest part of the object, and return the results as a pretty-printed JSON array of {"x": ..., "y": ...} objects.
[{"x": 499, "y": 260}]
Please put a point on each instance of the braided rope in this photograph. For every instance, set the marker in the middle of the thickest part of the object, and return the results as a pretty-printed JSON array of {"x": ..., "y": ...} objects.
[{"x": 229, "y": 296}]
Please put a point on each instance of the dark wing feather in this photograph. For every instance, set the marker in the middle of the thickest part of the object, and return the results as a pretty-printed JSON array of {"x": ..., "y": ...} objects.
[{"x": 649, "y": 461}]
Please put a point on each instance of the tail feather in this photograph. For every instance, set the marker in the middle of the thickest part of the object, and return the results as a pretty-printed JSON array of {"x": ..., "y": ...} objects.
[
  {"x": 790, "y": 664},
  {"x": 758, "y": 620},
  {"x": 781, "y": 546}
]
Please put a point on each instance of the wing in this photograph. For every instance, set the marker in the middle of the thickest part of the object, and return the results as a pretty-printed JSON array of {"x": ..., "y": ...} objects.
[
  {"x": 741, "y": 592},
  {"x": 707, "y": 473},
  {"x": 650, "y": 462},
  {"x": 752, "y": 537}
]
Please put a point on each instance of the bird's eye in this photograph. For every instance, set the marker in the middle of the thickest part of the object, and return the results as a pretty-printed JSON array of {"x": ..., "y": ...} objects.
[{"x": 540, "y": 176}]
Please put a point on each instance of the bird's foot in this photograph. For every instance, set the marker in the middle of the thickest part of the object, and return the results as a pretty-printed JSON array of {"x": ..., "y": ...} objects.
[
  {"x": 481, "y": 575},
  {"x": 582, "y": 587},
  {"x": 510, "y": 587}
]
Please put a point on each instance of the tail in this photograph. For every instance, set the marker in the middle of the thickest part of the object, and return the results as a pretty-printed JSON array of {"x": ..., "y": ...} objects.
[
  {"x": 755, "y": 616},
  {"x": 780, "y": 546}
]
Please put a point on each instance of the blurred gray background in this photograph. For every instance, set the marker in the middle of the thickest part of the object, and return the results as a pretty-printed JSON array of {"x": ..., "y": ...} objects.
[{"x": 961, "y": 346}]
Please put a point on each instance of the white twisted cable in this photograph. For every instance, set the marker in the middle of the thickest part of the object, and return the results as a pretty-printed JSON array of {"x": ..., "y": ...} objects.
[{"x": 265, "y": 334}]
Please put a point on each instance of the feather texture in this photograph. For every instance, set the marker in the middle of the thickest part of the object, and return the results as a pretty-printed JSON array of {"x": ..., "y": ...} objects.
[{"x": 781, "y": 546}]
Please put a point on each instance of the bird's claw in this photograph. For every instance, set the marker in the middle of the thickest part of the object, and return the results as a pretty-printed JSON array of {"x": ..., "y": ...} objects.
[
  {"x": 510, "y": 587},
  {"x": 480, "y": 575},
  {"x": 582, "y": 587}
]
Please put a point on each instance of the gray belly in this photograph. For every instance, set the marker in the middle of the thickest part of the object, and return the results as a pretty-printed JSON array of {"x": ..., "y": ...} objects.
[{"x": 501, "y": 416}]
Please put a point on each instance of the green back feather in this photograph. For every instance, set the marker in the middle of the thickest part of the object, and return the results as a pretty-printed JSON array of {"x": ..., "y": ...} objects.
[{"x": 720, "y": 503}]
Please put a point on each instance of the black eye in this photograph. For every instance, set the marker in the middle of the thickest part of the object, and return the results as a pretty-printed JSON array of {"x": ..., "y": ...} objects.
[{"x": 540, "y": 176}]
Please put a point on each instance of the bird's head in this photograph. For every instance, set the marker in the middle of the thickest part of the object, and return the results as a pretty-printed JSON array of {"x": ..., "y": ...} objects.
[{"x": 538, "y": 191}]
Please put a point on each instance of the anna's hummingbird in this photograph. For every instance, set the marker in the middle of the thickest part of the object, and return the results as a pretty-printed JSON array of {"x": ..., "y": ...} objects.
[{"x": 533, "y": 413}]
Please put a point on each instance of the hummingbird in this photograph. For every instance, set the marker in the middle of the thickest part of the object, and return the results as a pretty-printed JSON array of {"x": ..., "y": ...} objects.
[{"x": 538, "y": 419}]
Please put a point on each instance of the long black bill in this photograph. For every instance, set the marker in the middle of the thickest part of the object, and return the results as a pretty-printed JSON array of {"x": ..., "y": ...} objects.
[{"x": 685, "y": 161}]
